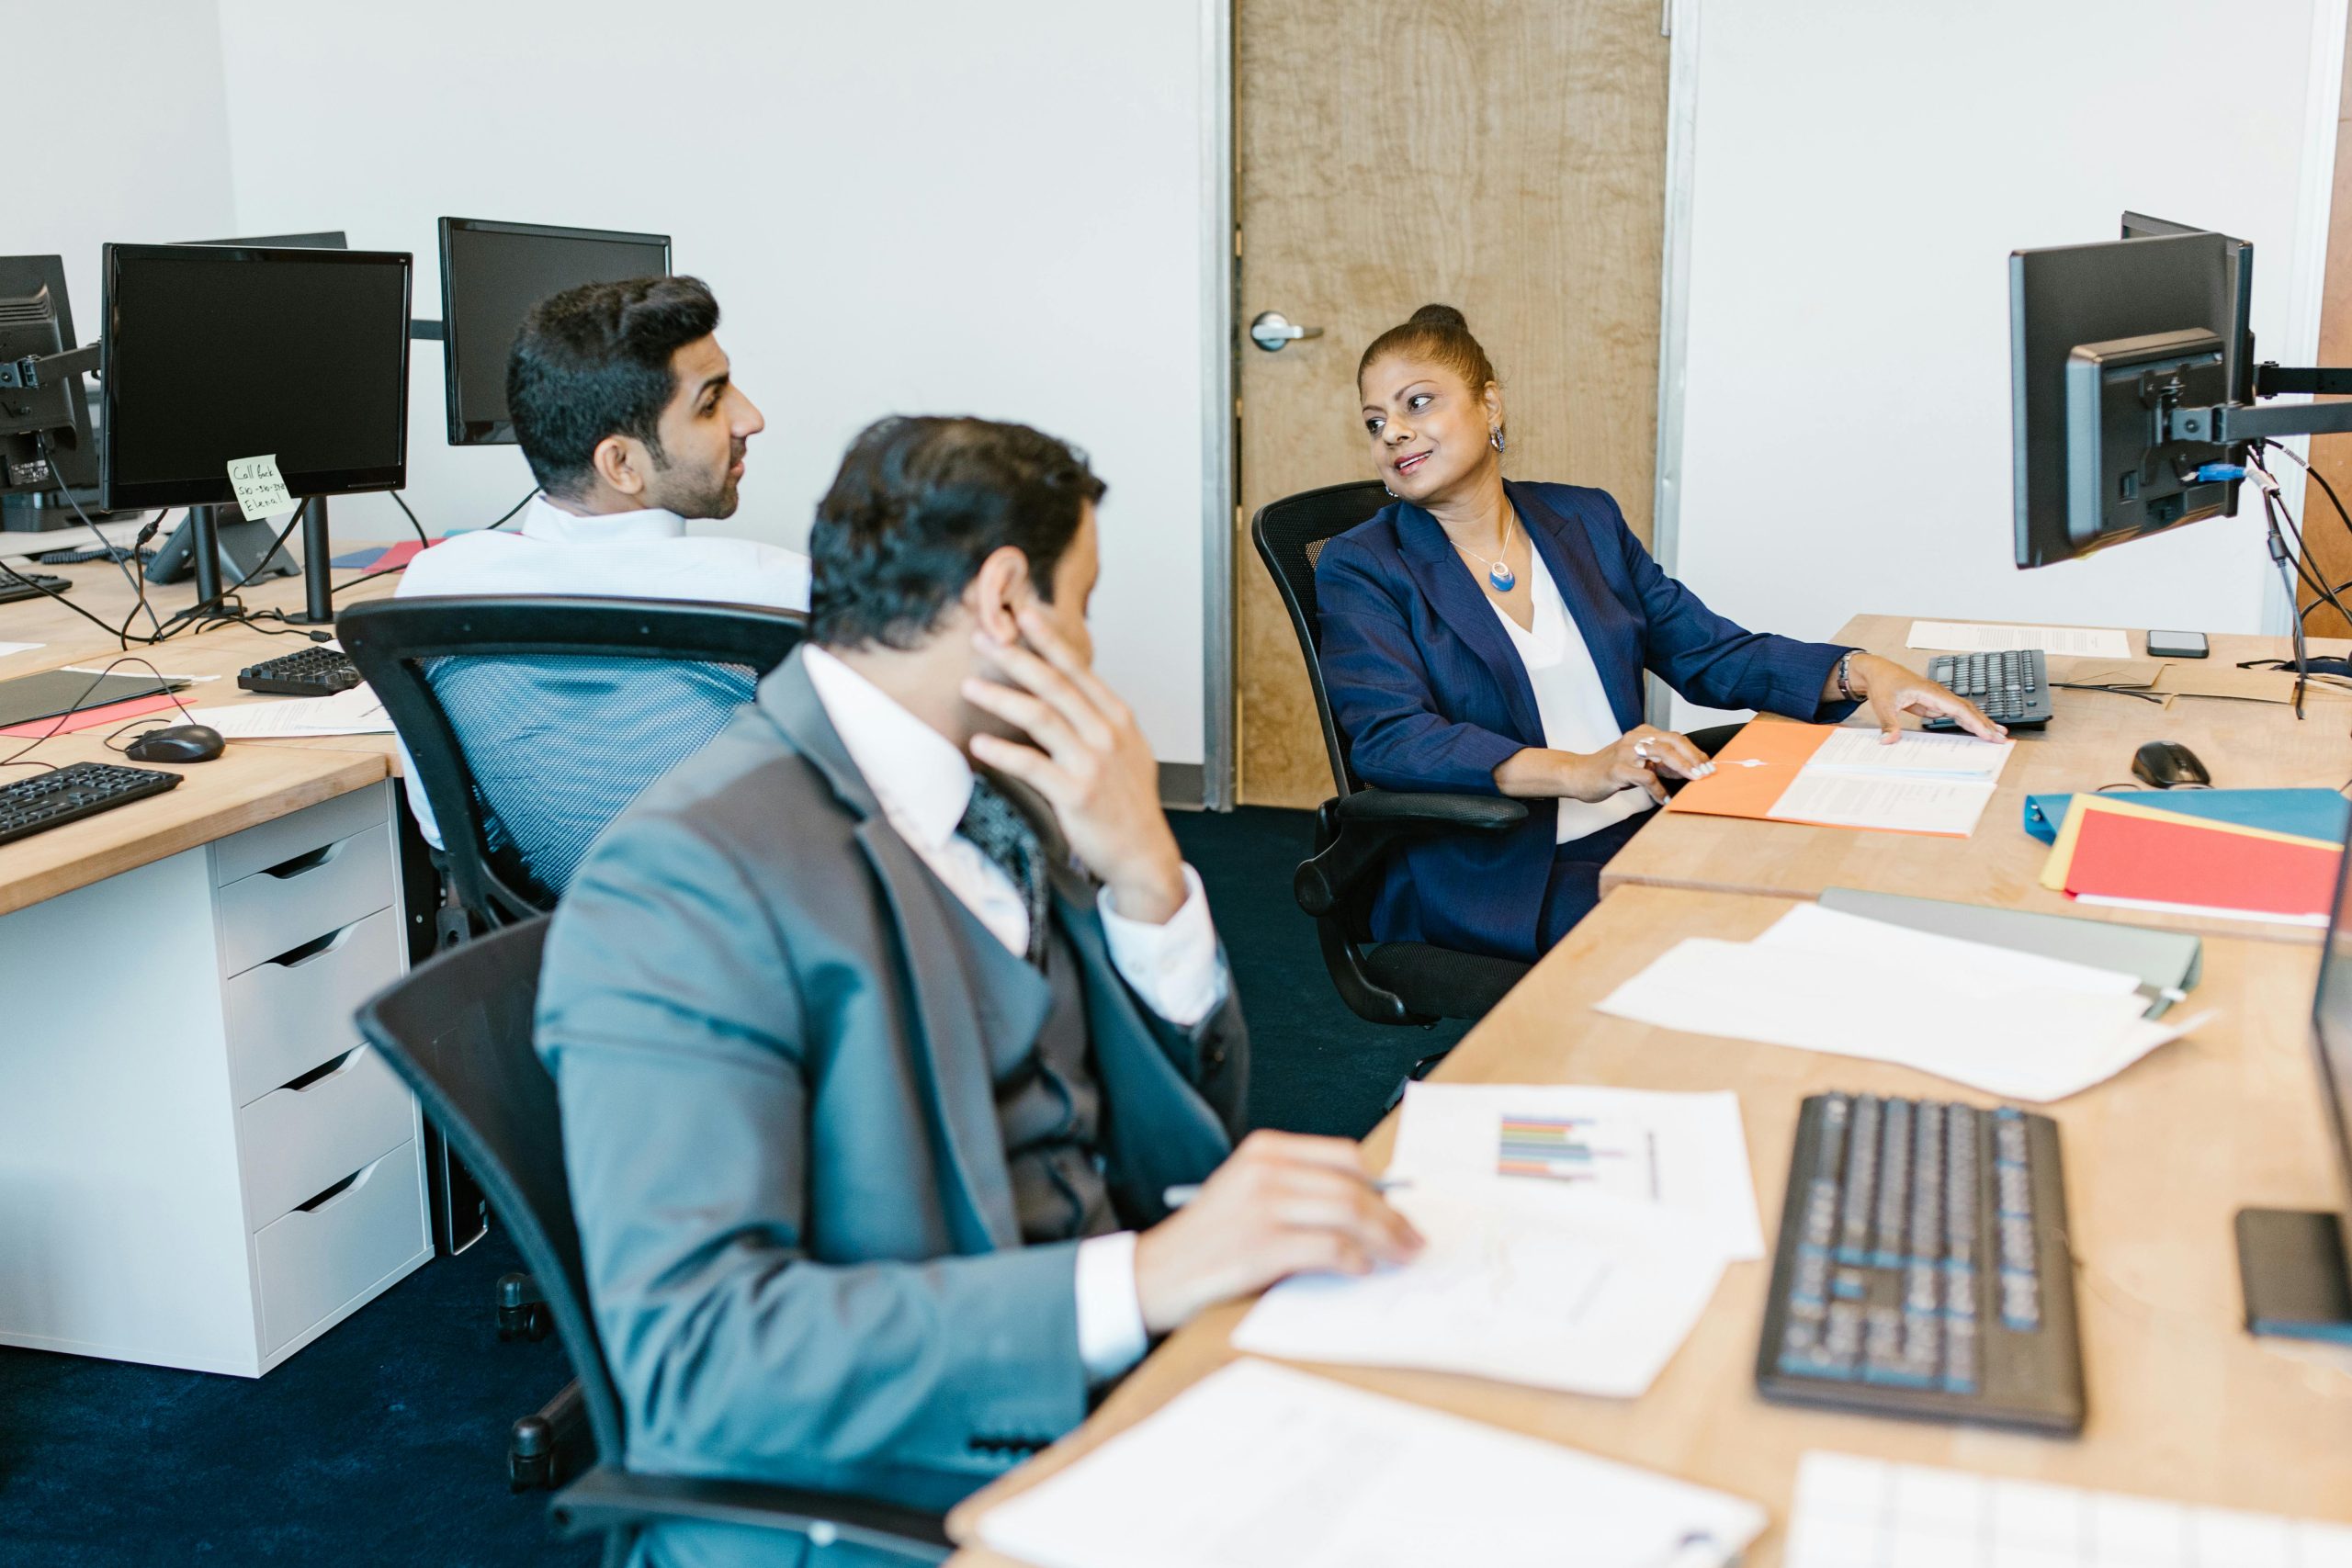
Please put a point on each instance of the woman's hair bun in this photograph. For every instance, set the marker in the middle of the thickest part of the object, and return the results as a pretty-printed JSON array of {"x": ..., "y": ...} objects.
[{"x": 1439, "y": 316}]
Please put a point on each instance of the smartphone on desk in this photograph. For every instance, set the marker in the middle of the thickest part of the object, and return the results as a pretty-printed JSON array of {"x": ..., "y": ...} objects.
[{"x": 2177, "y": 645}]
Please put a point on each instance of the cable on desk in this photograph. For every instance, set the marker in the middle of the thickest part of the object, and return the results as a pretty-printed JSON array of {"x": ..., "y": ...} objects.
[
  {"x": 422, "y": 537},
  {"x": 58, "y": 723},
  {"x": 214, "y": 612},
  {"x": 513, "y": 509},
  {"x": 420, "y": 534},
  {"x": 137, "y": 580}
]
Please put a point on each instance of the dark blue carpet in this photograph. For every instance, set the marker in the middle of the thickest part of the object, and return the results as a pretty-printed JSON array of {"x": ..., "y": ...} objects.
[{"x": 384, "y": 1442}]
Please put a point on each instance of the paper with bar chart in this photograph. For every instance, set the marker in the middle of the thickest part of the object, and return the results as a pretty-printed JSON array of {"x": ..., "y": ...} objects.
[
  {"x": 1581, "y": 1150},
  {"x": 1685, "y": 1152}
]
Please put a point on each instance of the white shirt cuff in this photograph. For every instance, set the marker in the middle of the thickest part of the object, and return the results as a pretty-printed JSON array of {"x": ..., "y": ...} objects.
[
  {"x": 1175, "y": 967},
  {"x": 1111, "y": 1336}
]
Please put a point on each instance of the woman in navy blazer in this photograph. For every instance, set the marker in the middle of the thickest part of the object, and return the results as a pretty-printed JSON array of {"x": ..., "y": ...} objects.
[{"x": 1489, "y": 637}]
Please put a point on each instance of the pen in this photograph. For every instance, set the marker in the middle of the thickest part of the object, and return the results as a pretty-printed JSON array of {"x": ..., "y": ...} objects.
[
  {"x": 1695, "y": 1550},
  {"x": 1177, "y": 1197}
]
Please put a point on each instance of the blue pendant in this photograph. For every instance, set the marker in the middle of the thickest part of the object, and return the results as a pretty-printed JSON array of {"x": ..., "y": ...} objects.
[{"x": 1503, "y": 577}]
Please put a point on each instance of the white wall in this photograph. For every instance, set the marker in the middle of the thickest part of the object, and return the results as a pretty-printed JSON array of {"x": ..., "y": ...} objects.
[
  {"x": 908, "y": 206},
  {"x": 128, "y": 142},
  {"x": 1860, "y": 172}
]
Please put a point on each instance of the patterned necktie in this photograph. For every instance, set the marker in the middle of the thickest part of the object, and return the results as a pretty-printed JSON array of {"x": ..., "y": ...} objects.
[{"x": 1000, "y": 832}]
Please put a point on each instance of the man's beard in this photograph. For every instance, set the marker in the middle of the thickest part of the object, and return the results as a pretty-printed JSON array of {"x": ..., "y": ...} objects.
[{"x": 714, "y": 498}]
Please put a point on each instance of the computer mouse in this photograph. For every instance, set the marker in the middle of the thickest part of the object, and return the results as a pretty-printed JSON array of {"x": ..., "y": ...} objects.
[
  {"x": 2167, "y": 765},
  {"x": 180, "y": 743}
]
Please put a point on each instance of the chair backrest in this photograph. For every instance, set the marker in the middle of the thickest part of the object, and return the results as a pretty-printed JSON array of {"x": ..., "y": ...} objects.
[
  {"x": 458, "y": 1030},
  {"x": 532, "y": 722},
  {"x": 1290, "y": 534}
]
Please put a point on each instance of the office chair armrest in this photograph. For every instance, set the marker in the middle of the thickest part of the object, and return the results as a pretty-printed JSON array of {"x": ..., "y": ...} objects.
[
  {"x": 1371, "y": 822},
  {"x": 1408, "y": 812},
  {"x": 608, "y": 1497}
]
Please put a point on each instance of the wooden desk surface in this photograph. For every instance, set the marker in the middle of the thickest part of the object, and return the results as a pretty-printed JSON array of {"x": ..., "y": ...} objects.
[
  {"x": 252, "y": 782},
  {"x": 2184, "y": 1404},
  {"x": 2088, "y": 743}
]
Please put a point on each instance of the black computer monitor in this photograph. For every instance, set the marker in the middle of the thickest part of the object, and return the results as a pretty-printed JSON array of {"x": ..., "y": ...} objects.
[
  {"x": 215, "y": 353},
  {"x": 2099, "y": 336},
  {"x": 327, "y": 239},
  {"x": 45, "y": 436},
  {"x": 492, "y": 274},
  {"x": 2238, "y": 334}
]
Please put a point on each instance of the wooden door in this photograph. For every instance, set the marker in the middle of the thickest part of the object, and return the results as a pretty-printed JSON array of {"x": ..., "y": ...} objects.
[
  {"x": 2327, "y": 540},
  {"x": 1504, "y": 156}
]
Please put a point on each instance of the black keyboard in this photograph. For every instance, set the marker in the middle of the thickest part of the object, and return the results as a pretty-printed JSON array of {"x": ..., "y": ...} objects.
[
  {"x": 95, "y": 552},
  {"x": 1923, "y": 1268},
  {"x": 68, "y": 793},
  {"x": 2012, "y": 688},
  {"x": 306, "y": 672},
  {"x": 16, "y": 585}
]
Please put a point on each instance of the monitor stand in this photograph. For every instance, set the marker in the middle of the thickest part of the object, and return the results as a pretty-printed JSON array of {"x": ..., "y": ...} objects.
[
  {"x": 231, "y": 550},
  {"x": 2291, "y": 1268}
]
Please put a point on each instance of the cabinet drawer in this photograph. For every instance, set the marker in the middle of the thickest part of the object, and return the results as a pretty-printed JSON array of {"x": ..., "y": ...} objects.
[
  {"x": 295, "y": 1143},
  {"x": 288, "y": 1014},
  {"x": 305, "y": 897},
  {"x": 316, "y": 1259},
  {"x": 298, "y": 832}
]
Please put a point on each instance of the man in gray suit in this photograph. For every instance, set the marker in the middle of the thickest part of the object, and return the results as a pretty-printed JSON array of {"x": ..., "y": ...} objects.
[{"x": 872, "y": 1061}]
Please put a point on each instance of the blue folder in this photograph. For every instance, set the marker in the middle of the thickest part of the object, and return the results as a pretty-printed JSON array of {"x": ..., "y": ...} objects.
[{"x": 2309, "y": 813}]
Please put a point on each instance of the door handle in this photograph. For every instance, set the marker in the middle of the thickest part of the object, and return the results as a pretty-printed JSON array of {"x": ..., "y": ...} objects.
[{"x": 1272, "y": 329}]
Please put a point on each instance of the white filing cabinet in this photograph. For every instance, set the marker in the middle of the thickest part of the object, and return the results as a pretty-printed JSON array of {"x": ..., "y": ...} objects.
[{"x": 200, "y": 1165}]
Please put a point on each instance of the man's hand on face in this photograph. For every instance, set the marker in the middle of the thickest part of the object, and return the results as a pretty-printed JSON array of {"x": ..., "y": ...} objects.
[{"x": 1089, "y": 761}]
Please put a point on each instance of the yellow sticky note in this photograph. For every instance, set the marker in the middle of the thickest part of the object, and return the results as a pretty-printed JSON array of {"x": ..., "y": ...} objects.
[{"x": 261, "y": 488}]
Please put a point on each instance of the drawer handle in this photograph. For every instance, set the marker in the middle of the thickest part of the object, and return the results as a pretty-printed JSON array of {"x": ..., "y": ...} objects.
[
  {"x": 295, "y": 956},
  {"x": 308, "y": 861},
  {"x": 324, "y": 1070},
  {"x": 341, "y": 1190}
]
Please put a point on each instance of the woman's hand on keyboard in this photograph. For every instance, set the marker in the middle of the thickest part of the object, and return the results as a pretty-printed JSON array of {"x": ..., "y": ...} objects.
[{"x": 1890, "y": 691}]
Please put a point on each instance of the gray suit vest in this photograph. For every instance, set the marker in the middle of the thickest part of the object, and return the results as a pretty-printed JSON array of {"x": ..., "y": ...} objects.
[{"x": 1047, "y": 1101}]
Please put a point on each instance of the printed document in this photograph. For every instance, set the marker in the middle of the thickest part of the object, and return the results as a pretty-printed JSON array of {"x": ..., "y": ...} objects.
[
  {"x": 1259, "y": 1466},
  {"x": 1683, "y": 1152},
  {"x": 1587, "y": 1293},
  {"x": 353, "y": 712},
  {"x": 2013, "y": 1024},
  {"x": 1970, "y": 637}
]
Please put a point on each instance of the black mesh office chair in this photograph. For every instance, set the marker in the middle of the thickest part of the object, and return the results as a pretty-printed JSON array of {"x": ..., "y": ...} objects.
[
  {"x": 458, "y": 1030},
  {"x": 532, "y": 722},
  {"x": 1358, "y": 827}
]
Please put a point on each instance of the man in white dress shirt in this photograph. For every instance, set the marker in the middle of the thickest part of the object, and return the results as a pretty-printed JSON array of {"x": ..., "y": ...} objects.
[
  {"x": 627, "y": 411},
  {"x": 883, "y": 1025}
]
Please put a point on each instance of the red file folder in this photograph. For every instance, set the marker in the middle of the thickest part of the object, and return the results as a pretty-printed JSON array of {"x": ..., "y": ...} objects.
[{"x": 2179, "y": 865}]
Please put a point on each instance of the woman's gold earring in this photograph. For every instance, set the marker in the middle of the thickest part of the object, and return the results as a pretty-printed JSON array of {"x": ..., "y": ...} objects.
[{"x": 1496, "y": 436}]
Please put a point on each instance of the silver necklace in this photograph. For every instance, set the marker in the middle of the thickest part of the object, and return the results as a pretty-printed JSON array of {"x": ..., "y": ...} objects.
[{"x": 1499, "y": 572}]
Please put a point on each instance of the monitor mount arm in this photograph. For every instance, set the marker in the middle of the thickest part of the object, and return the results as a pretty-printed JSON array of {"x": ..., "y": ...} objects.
[
  {"x": 2230, "y": 424},
  {"x": 32, "y": 416}
]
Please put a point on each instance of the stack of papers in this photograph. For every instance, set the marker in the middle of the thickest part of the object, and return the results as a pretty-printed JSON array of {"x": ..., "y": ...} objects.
[
  {"x": 1866, "y": 1513},
  {"x": 1574, "y": 1236},
  {"x": 2031, "y": 1028},
  {"x": 1849, "y": 777},
  {"x": 1258, "y": 1466},
  {"x": 1971, "y": 637},
  {"x": 355, "y": 712},
  {"x": 2122, "y": 853}
]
